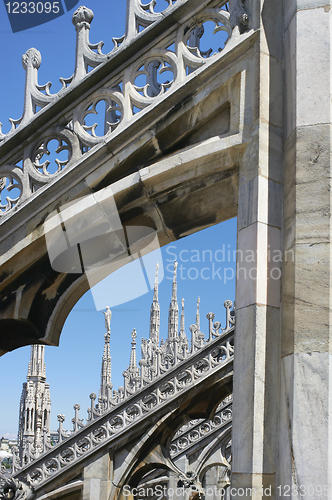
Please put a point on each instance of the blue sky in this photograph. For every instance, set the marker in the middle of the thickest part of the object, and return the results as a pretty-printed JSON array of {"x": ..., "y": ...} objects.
[{"x": 73, "y": 368}]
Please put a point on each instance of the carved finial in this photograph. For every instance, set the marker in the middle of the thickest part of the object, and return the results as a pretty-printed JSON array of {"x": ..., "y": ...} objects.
[
  {"x": 32, "y": 56},
  {"x": 132, "y": 372},
  {"x": 82, "y": 15},
  {"x": 193, "y": 328},
  {"x": 210, "y": 316},
  {"x": 61, "y": 418},
  {"x": 85, "y": 55}
]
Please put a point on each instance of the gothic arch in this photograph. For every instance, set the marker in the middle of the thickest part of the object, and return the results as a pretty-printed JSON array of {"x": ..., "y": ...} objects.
[
  {"x": 151, "y": 450},
  {"x": 173, "y": 169}
]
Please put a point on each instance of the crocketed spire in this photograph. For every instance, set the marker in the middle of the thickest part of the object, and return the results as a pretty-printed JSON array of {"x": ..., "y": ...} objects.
[
  {"x": 197, "y": 315},
  {"x": 106, "y": 364},
  {"x": 182, "y": 329},
  {"x": 133, "y": 368},
  {"x": 173, "y": 315},
  {"x": 183, "y": 344},
  {"x": 155, "y": 312}
]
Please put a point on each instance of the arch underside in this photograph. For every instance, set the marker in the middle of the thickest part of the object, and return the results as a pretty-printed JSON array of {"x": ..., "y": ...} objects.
[{"x": 176, "y": 178}]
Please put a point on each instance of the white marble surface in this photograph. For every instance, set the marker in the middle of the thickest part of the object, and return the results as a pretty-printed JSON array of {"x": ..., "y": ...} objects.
[
  {"x": 308, "y": 71},
  {"x": 293, "y": 6},
  {"x": 305, "y": 422},
  {"x": 258, "y": 275},
  {"x": 256, "y": 366}
]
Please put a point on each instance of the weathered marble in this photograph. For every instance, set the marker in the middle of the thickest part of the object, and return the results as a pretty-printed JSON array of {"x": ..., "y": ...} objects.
[
  {"x": 96, "y": 478},
  {"x": 177, "y": 196},
  {"x": 305, "y": 384},
  {"x": 305, "y": 414},
  {"x": 246, "y": 131}
]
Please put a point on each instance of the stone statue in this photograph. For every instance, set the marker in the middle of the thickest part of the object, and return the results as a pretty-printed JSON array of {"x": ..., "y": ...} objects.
[
  {"x": 108, "y": 315},
  {"x": 149, "y": 349}
]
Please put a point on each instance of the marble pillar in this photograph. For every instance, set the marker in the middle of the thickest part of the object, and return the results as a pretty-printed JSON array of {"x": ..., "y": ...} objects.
[{"x": 282, "y": 418}]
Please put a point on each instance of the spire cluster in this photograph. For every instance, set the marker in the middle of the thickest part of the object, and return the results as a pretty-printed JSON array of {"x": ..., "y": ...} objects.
[{"x": 157, "y": 359}]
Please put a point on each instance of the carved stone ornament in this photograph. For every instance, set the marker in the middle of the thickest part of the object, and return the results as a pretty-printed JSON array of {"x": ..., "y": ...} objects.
[
  {"x": 32, "y": 56},
  {"x": 82, "y": 15},
  {"x": 239, "y": 17},
  {"x": 13, "y": 489},
  {"x": 146, "y": 79}
]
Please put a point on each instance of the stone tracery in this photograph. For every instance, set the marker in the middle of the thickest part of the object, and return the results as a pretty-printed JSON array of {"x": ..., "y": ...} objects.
[
  {"x": 120, "y": 94},
  {"x": 124, "y": 95},
  {"x": 157, "y": 381}
]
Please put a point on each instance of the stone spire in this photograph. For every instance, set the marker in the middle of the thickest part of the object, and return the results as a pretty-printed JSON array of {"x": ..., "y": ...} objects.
[
  {"x": 155, "y": 312},
  {"x": 106, "y": 361},
  {"x": 133, "y": 368},
  {"x": 35, "y": 407},
  {"x": 197, "y": 315},
  {"x": 182, "y": 329},
  {"x": 132, "y": 374},
  {"x": 183, "y": 345},
  {"x": 173, "y": 315},
  {"x": 36, "y": 369}
]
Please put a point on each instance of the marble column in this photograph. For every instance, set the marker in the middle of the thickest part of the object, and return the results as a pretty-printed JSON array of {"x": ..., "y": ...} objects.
[
  {"x": 259, "y": 266},
  {"x": 305, "y": 395},
  {"x": 282, "y": 418}
]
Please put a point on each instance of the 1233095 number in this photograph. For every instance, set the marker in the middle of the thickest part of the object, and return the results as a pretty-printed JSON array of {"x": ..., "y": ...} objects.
[{"x": 33, "y": 7}]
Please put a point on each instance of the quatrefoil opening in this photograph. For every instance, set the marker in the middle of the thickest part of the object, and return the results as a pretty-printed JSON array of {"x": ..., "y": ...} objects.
[
  {"x": 51, "y": 155},
  {"x": 102, "y": 116}
]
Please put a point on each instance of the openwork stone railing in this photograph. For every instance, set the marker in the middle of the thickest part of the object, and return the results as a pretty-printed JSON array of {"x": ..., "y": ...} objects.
[
  {"x": 157, "y": 360},
  {"x": 163, "y": 391},
  {"x": 192, "y": 433},
  {"x": 129, "y": 92}
]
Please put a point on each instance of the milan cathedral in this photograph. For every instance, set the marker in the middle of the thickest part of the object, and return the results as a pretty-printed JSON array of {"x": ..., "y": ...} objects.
[
  {"x": 35, "y": 404},
  {"x": 200, "y": 441}
]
